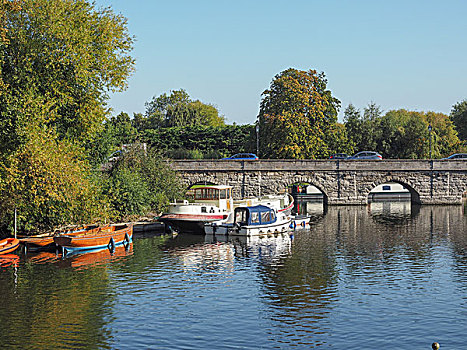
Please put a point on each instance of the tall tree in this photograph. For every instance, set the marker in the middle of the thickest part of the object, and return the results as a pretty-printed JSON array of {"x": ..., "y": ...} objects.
[
  {"x": 177, "y": 109},
  {"x": 59, "y": 59},
  {"x": 296, "y": 113},
  {"x": 459, "y": 118},
  {"x": 67, "y": 55}
]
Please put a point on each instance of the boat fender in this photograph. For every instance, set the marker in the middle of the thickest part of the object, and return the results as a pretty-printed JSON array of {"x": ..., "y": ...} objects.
[
  {"x": 127, "y": 238},
  {"x": 111, "y": 245}
]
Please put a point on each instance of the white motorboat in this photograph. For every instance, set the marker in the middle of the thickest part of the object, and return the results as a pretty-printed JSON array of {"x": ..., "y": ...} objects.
[
  {"x": 206, "y": 204},
  {"x": 214, "y": 203},
  {"x": 251, "y": 221}
]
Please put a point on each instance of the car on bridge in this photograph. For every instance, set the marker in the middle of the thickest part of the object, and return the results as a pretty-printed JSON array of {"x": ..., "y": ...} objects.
[
  {"x": 242, "y": 156},
  {"x": 456, "y": 156},
  {"x": 366, "y": 155},
  {"x": 339, "y": 156}
]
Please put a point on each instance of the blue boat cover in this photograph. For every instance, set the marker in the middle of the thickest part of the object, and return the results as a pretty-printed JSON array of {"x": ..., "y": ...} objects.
[{"x": 255, "y": 215}]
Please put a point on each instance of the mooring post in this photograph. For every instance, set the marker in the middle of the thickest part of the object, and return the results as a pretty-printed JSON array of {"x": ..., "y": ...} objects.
[{"x": 15, "y": 222}]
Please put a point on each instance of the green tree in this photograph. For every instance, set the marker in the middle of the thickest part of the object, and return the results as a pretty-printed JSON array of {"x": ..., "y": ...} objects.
[
  {"x": 58, "y": 62},
  {"x": 67, "y": 55},
  {"x": 296, "y": 113},
  {"x": 177, "y": 109},
  {"x": 49, "y": 182},
  {"x": 354, "y": 126},
  {"x": 140, "y": 183},
  {"x": 459, "y": 118}
]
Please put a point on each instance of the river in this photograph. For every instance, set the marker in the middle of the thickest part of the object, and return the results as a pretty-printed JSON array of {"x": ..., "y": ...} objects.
[{"x": 385, "y": 276}]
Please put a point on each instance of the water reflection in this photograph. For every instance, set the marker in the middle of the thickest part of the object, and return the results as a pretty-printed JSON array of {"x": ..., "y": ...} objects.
[{"x": 358, "y": 277}]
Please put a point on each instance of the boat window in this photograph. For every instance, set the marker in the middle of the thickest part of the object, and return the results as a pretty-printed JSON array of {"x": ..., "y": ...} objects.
[
  {"x": 223, "y": 194},
  {"x": 203, "y": 209},
  {"x": 207, "y": 193},
  {"x": 265, "y": 217},
  {"x": 241, "y": 216},
  {"x": 386, "y": 188},
  {"x": 255, "y": 217}
]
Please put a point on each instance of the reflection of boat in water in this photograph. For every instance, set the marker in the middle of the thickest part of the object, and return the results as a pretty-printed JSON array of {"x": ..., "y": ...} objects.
[
  {"x": 8, "y": 245},
  {"x": 265, "y": 246},
  {"x": 391, "y": 212},
  {"x": 97, "y": 256},
  {"x": 8, "y": 260},
  {"x": 102, "y": 237},
  {"x": 390, "y": 191},
  {"x": 309, "y": 207}
]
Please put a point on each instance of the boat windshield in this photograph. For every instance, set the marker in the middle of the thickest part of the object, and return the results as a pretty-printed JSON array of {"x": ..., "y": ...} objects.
[
  {"x": 207, "y": 194},
  {"x": 225, "y": 194}
]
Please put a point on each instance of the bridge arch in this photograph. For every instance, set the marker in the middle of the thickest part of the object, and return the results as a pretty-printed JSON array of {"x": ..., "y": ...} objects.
[
  {"x": 414, "y": 194},
  {"x": 311, "y": 182}
]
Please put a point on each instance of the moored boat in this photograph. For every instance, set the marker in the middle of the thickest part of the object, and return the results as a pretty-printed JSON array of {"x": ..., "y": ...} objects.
[
  {"x": 8, "y": 245},
  {"x": 109, "y": 236},
  {"x": 254, "y": 220},
  {"x": 207, "y": 204},
  {"x": 45, "y": 241}
]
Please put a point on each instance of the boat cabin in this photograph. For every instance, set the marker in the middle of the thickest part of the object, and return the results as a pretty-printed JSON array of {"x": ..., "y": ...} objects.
[
  {"x": 255, "y": 215},
  {"x": 218, "y": 195}
]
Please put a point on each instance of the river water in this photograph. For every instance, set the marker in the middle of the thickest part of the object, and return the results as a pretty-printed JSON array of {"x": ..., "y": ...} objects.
[{"x": 386, "y": 276}]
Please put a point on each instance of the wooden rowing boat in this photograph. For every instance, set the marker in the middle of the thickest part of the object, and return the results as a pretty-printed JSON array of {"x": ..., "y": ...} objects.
[
  {"x": 45, "y": 241},
  {"x": 101, "y": 237},
  {"x": 8, "y": 245}
]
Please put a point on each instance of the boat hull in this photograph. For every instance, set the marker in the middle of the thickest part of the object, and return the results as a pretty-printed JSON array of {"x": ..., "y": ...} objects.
[
  {"x": 105, "y": 237},
  {"x": 8, "y": 245},
  {"x": 257, "y": 230},
  {"x": 189, "y": 223},
  {"x": 46, "y": 241}
]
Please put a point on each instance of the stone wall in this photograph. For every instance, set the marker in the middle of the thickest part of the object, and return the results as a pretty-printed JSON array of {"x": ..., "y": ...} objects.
[{"x": 342, "y": 182}]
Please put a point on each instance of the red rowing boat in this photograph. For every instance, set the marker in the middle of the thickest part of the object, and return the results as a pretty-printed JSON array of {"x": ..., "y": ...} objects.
[
  {"x": 107, "y": 236},
  {"x": 8, "y": 245}
]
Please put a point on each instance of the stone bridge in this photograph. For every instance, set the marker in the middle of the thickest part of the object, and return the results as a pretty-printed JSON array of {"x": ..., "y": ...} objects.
[{"x": 342, "y": 182}]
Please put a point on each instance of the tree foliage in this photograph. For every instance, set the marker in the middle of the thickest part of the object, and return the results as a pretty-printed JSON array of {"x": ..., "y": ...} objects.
[
  {"x": 459, "y": 118},
  {"x": 296, "y": 115},
  {"x": 140, "y": 182},
  {"x": 68, "y": 55},
  {"x": 211, "y": 142},
  {"x": 177, "y": 110},
  {"x": 400, "y": 133},
  {"x": 59, "y": 59},
  {"x": 50, "y": 184}
]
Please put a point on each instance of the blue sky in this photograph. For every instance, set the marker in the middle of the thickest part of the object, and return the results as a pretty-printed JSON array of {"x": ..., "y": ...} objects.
[{"x": 399, "y": 54}]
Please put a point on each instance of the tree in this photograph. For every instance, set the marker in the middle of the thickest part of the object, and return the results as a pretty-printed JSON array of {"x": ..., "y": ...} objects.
[
  {"x": 459, "y": 118},
  {"x": 67, "y": 56},
  {"x": 58, "y": 62},
  {"x": 50, "y": 184},
  {"x": 140, "y": 183},
  {"x": 177, "y": 109},
  {"x": 296, "y": 113}
]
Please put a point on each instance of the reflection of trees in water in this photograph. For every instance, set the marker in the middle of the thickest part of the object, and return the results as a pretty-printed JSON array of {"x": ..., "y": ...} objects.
[
  {"x": 350, "y": 242},
  {"x": 60, "y": 307}
]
